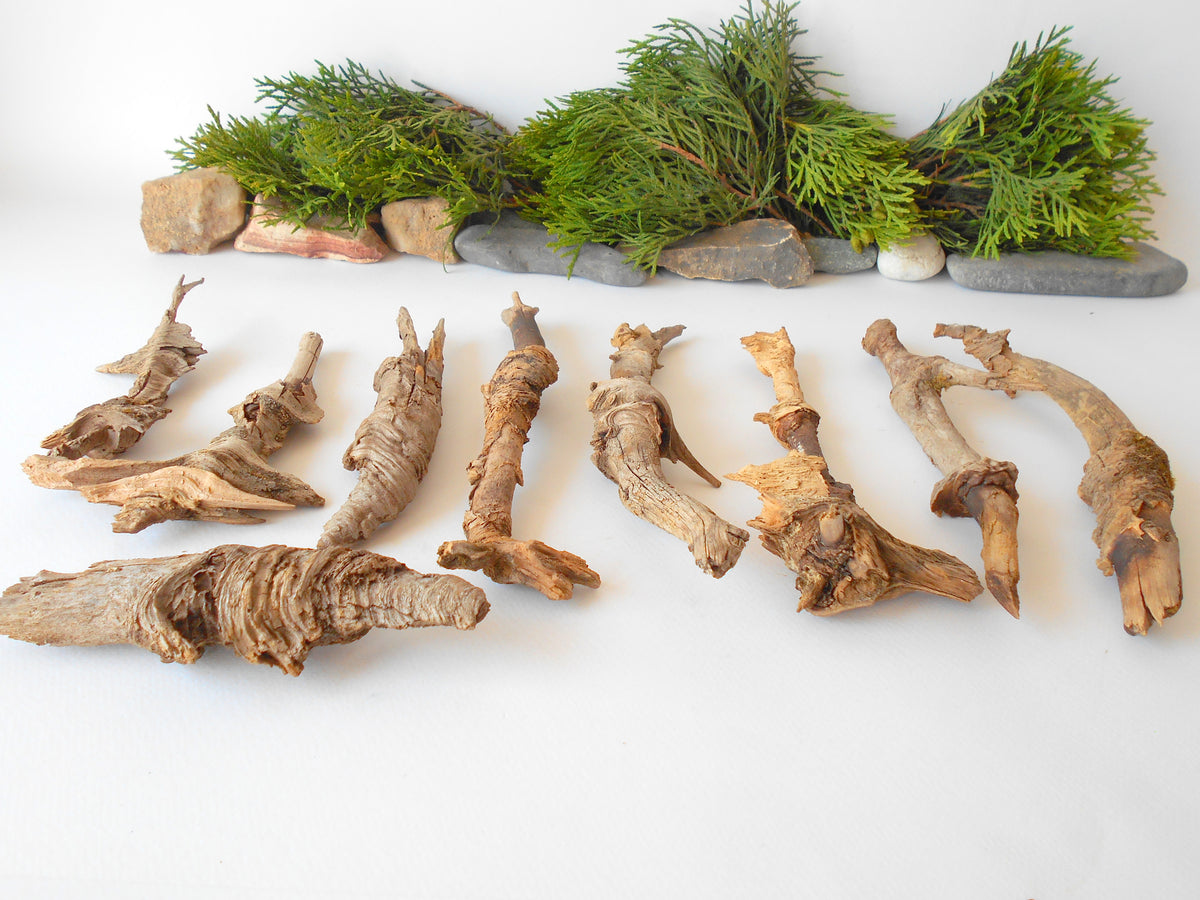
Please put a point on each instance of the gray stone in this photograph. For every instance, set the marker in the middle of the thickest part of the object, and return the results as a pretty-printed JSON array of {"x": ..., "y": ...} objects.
[
  {"x": 1151, "y": 273},
  {"x": 838, "y": 256},
  {"x": 769, "y": 250},
  {"x": 192, "y": 212},
  {"x": 516, "y": 245},
  {"x": 916, "y": 259},
  {"x": 418, "y": 226}
]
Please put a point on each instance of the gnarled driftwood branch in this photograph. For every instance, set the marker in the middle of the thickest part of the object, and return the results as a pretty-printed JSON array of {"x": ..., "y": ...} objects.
[
  {"x": 108, "y": 429},
  {"x": 1127, "y": 480},
  {"x": 634, "y": 431},
  {"x": 842, "y": 558},
  {"x": 512, "y": 399},
  {"x": 393, "y": 445},
  {"x": 221, "y": 482},
  {"x": 270, "y": 604},
  {"x": 984, "y": 489}
]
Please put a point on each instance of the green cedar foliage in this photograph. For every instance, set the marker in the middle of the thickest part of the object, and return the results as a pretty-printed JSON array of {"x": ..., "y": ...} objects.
[
  {"x": 1042, "y": 158},
  {"x": 344, "y": 142},
  {"x": 707, "y": 129}
]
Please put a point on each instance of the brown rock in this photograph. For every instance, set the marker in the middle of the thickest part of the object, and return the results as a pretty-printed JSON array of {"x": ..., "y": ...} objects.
[
  {"x": 193, "y": 211},
  {"x": 770, "y": 250},
  {"x": 311, "y": 241},
  {"x": 419, "y": 226}
]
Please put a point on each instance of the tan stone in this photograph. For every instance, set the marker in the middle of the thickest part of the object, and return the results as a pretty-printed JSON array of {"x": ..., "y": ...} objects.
[
  {"x": 311, "y": 241},
  {"x": 419, "y": 226},
  {"x": 192, "y": 212}
]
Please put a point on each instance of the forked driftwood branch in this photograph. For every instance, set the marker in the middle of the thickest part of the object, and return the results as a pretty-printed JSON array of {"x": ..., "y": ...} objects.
[
  {"x": 270, "y": 604},
  {"x": 1127, "y": 479},
  {"x": 512, "y": 399},
  {"x": 223, "y": 482},
  {"x": 634, "y": 432},
  {"x": 393, "y": 445},
  {"x": 842, "y": 558},
  {"x": 974, "y": 485},
  {"x": 110, "y": 428}
]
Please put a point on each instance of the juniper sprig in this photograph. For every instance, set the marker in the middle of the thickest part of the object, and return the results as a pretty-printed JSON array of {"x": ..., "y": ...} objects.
[
  {"x": 343, "y": 142},
  {"x": 1041, "y": 158}
]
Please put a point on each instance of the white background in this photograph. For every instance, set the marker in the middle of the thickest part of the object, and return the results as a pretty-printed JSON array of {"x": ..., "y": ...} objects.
[{"x": 668, "y": 735}]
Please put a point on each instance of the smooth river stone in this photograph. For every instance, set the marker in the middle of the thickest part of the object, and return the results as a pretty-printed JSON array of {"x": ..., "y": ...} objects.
[
  {"x": 837, "y": 256},
  {"x": 1151, "y": 273},
  {"x": 513, "y": 244},
  {"x": 916, "y": 259}
]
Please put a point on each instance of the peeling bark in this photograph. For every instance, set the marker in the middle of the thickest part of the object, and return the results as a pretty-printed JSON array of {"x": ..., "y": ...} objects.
[
  {"x": 984, "y": 489},
  {"x": 512, "y": 399},
  {"x": 634, "y": 431},
  {"x": 269, "y": 604},
  {"x": 1127, "y": 479},
  {"x": 393, "y": 445},
  {"x": 110, "y": 428},
  {"x": 220, "y": 482},
  {"x": 843, "y": 559}
]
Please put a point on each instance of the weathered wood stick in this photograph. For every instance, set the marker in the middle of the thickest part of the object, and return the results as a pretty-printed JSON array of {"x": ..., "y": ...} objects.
[
  {"x": 217, "y": 483},
  {"x": 110, "y": 428},
  {"x": 512, "y": 400},
  {"x": 1127, "y": 479},
  {"x": 269, "y": 604},
  {"x": 842, "y": 558},
  {"x": 984, "y": 489},
  {"x": 393, "y": 445},
  {"x": 634, "y": 432}
]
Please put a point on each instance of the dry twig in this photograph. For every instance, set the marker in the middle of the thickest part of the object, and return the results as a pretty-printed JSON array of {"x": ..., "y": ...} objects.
[
  {"x": 270, "y": 604},
  {"x": 110, "y": 428},
  {"x": 220, "y": 482},
  {"x": 974, "y": 485},
  {"x": 393, "y": 445},
  {"x": 1127, "y": 480},
  {"x": 512, "y": 399},
  {"x": 842, "y": 557},
  {"x": 634, "y": 431}
]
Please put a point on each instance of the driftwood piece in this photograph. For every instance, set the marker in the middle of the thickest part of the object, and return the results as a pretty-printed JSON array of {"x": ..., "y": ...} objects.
[
  {"x": 393, "y": 445},
  {"x": 973, "y": 485},
  {"x": 107, "y": 429},
  {"x": 842, "y": 558},
  {"x": 270, "y": 604},
  {"x": 222, "y": 482},
  {"x": 1127, "y": 479},
  {"x": 634, "y": 431},
  {"x": 512, "y": 399}
]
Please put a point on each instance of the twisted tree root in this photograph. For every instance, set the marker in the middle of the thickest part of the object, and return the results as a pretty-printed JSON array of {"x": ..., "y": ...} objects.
[{"x": 843, "y": 559}]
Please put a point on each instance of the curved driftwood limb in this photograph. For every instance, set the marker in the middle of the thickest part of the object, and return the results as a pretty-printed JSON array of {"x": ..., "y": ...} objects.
[
  {"x": 1127, "y": 479},
  {"x": 110, "y": 428},
  {"x": 216, "y": 483},
  {"x": 393, "y": 445},
  {"x": 512, "y": 399},
  {"x": 270, "y": 604},
  {"x": 842, "y": 558},
  {"x": 984, "y": 489},
  {"x": 634, "y": 432}
]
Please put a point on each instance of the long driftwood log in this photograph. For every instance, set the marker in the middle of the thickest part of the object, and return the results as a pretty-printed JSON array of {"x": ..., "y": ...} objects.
[
  {"x": 107, "y": 429},
  {"x": 224, "y": 481},
  {"x": 842, "y": 558},
  {"x": 634, "y": 432},
  {"x": 1127, "y": 479},
  {"x": 393, "y": 445},
  {"x": 512, "y": 399},
  {"x": 973, "y": 485},
  {"x": 269, "y": 604}
]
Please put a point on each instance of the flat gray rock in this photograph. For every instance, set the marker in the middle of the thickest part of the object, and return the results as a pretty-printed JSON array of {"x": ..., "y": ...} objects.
[
  {"x": 769, "y": 250},
  {"x": 837, "y": 256},
  {"x": 1151, "y": 273},
  {"x": 516, "y": 245}
]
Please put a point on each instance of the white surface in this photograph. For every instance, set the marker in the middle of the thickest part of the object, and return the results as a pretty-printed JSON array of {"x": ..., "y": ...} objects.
[{"x": 667, "y": 735}]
